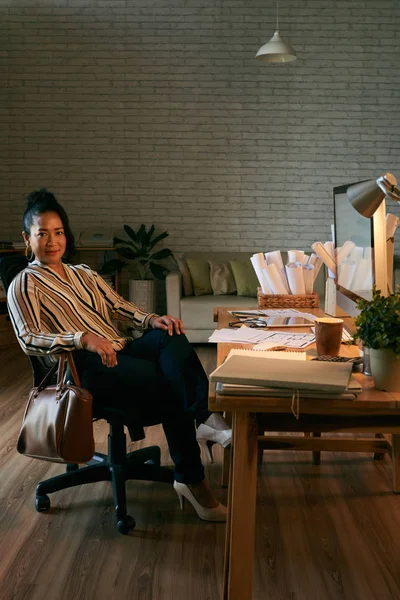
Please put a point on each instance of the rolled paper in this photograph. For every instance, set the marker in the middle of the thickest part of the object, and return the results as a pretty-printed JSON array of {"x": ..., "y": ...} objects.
[
  {"x": 320, "y": 250},
  {"x": 275, "y": 258},
  {"x": 297, "y": 256},
  {"x": 316, "y": 262},
  {"x": 308, "y": 276},
  {"x": 391, "y": 225},
  {"x": 356, "y": 254},
  {"x": 258, "y": 262},
  {"x": 346, "y": 272},
  {"x": 295, "y": 278},
  {"x": 344, "y": 251},
  {"x": 362, "y": 279},
  {"x": 274, "y": 280},
  {"x": 368, "y": 253},
  {"x": 330, "y": 248}
]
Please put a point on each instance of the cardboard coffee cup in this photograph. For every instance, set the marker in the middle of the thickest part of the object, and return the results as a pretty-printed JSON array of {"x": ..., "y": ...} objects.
[{"x": 328, "y": 335}]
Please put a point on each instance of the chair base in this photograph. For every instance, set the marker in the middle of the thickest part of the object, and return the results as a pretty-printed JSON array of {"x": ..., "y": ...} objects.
[{"x": 117, "y": 467}]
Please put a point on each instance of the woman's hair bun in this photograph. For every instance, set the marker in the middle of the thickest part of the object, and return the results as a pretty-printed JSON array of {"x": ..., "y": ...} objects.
[{"x": 40, "y": 198}]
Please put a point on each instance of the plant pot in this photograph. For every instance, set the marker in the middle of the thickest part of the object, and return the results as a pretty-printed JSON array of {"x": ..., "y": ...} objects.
[
  {"x": 385, "y": 369},
  {"x": 142, "y": 292}
]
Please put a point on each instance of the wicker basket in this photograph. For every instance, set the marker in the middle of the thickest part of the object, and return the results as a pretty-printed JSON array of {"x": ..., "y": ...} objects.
[{"x": 287, "y": 300}]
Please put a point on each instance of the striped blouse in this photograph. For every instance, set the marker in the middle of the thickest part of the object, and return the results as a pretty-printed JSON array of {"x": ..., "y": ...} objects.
[{"x": 50, "y": 315}]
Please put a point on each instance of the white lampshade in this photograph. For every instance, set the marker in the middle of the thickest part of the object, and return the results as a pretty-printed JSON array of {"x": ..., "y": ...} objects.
[{"x": 276, "y": 50}]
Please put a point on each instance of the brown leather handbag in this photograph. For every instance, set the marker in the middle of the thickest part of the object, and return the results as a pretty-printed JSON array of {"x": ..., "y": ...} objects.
[{"x": 57, "y": 424}]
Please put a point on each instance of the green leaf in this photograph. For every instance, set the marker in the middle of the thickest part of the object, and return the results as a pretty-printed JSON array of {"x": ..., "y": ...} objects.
[
  {"x": 164, "y": 253},
  {"x": 129, "y": 231},
  {"x": 126, "y": 252},
  {"x": 157, "y": 239},
  {"x": 158, "y": 271},
  {"x": 112, "y": 266},
  {"x": 141, "y": 235},
  {"x": 120, "y": 241}
]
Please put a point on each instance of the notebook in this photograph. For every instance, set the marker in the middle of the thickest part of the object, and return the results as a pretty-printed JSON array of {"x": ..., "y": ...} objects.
[
  {"x": 270, "y": 372},
  {"x": 281, "y": 355}
]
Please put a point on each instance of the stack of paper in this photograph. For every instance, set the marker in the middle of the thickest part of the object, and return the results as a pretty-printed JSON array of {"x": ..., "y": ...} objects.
[{"x": 269, "y": 372}]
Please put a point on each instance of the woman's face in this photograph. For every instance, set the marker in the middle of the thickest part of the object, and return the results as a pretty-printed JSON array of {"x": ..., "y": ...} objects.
[{"x": 47, "y": 239}]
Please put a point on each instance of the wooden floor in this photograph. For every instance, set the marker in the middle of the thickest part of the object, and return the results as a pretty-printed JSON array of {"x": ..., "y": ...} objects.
[{"x": 323, "y": 533}]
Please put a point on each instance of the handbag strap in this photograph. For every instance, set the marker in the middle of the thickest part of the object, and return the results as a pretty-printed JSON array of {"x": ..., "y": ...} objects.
[
  {"x": 47, "y": 378},
  {"x": 60, "y": 365},
  {"x": 67, "y": 356},
  {"x": 73, "y": 369}
]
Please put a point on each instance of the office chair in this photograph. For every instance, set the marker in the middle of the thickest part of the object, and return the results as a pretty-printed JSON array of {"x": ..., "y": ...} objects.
[{"x": 118, "y": 466}]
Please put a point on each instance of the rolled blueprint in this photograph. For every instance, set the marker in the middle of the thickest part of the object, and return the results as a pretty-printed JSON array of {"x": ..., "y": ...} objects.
[
  {"x": 344, "y": 251},
  {"x": 330, "y": 248},
  {"x": 275, "y": 258},
  {"x": 274, "y": 280},
  {"x": 356, "y": 254},
  {"x": 368, "y": 253},
  {"x": 258, "y": 262},
  {"x": 295, "y": 278},
  {"x": 326, "y": 258},
  {"x": 391, "y": 225},
  {"x": 316, "y": 262},
  {"x": 308, "y": 276},
  {"x": 296, "y": 256},
  {"x": 362, "y": 279},
  {"x": 346, "y": 272}
]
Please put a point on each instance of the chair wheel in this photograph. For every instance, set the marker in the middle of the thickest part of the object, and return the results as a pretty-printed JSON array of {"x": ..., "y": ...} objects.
[
  {"x": 126, "y": 525},
  {"x": 42, "y": 503},
  {"x": 71, "y": 467}
]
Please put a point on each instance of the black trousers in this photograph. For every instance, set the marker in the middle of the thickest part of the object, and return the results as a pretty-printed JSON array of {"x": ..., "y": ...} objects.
[{"x": 158, "y": 379}]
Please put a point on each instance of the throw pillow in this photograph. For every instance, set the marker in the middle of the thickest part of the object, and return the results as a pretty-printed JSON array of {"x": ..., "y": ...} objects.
[
  {"x": 245, "y": 278},
  {"x": 186, "y": 279},
  {"x": 221, "y": 277},
  {"x": 200, "y": 275}
]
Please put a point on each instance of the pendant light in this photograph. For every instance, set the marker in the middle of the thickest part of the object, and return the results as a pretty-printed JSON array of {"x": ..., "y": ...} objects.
[{"x": 276, "y": 50}]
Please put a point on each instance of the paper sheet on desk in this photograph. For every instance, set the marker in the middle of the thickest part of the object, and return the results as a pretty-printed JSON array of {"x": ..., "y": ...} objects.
[{"x": 246, "y": 335}]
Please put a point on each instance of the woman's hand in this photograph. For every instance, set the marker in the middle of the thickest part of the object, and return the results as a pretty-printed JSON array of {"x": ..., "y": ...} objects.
[
  {"x": 94, "y": 343},
  {"x": 167, "y": 323}
]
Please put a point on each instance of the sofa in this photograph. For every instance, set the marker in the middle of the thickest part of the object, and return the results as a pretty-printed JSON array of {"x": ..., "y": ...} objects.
[{"x": 196, "y": 311}]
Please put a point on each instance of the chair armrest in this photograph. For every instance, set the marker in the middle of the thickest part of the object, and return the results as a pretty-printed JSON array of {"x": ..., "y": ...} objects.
[{"x": 173, "y": 288}]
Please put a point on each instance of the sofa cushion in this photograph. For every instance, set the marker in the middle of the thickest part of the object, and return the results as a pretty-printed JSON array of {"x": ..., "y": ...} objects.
[
  {"x": 197, "y": 312},
  {"x": 186, "y": 278},
  {"x": 245, "y": 278},
  {"x": 200, "y": 275},
  {"x": 221, "y": 278}
]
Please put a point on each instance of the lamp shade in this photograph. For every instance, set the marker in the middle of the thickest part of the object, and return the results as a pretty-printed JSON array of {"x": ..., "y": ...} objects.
[
  {"x": 367, "y": 196},
  {"x": 276, "y": 50}
]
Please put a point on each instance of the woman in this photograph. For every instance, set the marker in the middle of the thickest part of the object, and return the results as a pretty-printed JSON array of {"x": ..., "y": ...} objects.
[{"x": 158, "y": 377}]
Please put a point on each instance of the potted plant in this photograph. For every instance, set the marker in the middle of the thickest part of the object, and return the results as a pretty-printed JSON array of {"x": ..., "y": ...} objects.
[
  {"x": 139, "y": 252},
  {"x": 378, "y": 327}
]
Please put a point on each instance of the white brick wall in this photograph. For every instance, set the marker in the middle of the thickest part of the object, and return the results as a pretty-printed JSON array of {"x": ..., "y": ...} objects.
[{"x": 156, "y": 111}]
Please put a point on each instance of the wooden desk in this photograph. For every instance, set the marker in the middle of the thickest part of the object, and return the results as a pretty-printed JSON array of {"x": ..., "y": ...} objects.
[{"x": 371, "y": 411}]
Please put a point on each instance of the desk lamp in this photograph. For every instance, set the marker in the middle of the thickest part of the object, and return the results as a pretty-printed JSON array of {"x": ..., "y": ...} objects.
[{"x": 368, "y": 198}]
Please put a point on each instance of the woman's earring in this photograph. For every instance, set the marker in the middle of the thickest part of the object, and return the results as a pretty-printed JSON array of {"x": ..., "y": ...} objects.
[{"x": 27, "y": 249}]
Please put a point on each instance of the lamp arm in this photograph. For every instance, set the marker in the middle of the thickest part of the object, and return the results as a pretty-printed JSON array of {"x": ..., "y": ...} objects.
[{"x": 388, "y": 184}]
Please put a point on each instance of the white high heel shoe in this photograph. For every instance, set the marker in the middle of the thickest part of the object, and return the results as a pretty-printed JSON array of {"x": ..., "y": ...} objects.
[
  {"x": 207, "y": 436},
  {"x": 217, "y": 513}
]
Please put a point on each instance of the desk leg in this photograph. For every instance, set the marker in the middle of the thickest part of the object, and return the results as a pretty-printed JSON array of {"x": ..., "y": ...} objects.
[
  {"x": 226, "y": 466},
  {"x": 239, "y": 550},
  {"x": 396, "y": 462}
]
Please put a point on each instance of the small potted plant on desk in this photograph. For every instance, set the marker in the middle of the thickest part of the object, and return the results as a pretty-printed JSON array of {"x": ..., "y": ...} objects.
[
  {"x": 378, "y": 327},
  {"x": 139, "y": 249}
]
